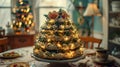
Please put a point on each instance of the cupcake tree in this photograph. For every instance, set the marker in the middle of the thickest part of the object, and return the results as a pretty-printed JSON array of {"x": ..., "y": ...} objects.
[{"x": 58, "y": 38}]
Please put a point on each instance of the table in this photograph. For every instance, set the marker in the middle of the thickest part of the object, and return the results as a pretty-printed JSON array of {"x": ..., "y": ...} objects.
[{"x": 26, "y": 57}]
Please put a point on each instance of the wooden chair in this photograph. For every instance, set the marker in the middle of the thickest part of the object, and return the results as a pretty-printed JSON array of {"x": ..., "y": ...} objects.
[
  {"x": 89, "y": 42},
  {"x": 3, "y": 44},
  {"x": 3, "y": 41}
]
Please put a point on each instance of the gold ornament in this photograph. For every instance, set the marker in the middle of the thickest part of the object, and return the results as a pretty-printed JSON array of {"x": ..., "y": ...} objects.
[
  {"x": 59, "y": 45},
  {"x": 66, "y": 38},
  {"x": 36, "y": 51},
  {"x": 62, "y": 26},
  {"x": 72, "y": 45},
  {"x": 70, "y": 54},
  {"x": 52, "y": 21}
]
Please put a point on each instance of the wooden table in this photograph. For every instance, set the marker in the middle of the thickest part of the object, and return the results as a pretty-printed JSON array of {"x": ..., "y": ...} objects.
[{"x": 26, "y": 57}]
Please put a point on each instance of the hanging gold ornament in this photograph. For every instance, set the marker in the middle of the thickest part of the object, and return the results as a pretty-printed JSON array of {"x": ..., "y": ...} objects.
[{"x": 80, "y": 20}]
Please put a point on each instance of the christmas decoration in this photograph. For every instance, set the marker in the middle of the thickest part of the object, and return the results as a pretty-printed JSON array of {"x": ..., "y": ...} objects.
[
  {"x": 23, "y": 17},
  {"x": 58, "y": 38}
]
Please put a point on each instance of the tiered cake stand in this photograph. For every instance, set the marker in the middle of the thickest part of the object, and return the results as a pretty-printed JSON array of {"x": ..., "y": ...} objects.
[{"x": 58, "y": 63}]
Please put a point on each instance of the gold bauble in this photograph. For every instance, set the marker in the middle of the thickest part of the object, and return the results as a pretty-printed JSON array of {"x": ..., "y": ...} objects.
[
  {"x": 59, "y": 45},
  {"x": 62, "y": 26},
  {"x": 70, "y": 54},
  {"x": 66, "y": 38},
  {"x": 52, "y": 21},
  {"x": 36, "y": 51},
  {"x": 72, "y": 45}
]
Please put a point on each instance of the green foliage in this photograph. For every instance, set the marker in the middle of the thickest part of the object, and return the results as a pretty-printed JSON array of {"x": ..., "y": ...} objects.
[{"x": 46, "y": 16}]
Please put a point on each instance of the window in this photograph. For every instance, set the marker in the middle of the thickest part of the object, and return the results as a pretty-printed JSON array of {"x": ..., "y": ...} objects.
[
  {"x": 5, "y": 12},
  {"x": 46, "y": 6},
  {"x": 5, "y": 17},
  {"x": 5, "y": 3}
]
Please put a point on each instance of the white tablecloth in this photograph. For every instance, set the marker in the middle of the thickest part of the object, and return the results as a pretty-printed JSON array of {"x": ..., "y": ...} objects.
[{"x": 26, "y": 57}]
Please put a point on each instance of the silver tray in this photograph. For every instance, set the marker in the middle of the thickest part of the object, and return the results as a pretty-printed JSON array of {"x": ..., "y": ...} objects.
[{"x": 57, "y": 61}]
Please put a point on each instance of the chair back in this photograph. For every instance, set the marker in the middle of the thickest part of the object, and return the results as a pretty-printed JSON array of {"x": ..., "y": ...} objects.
[{"x": 89, "y": 42}]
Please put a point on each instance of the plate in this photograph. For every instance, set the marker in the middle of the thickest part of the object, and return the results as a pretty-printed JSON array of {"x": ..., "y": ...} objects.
[
  {"x": 89, "y": 52},
  {"x": 106, "y": 62},
  {"x": 19, "y": 64},
  {"x": 10, "y": 55}
]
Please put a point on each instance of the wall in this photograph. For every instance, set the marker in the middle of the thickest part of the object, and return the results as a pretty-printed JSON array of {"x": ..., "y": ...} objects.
[
  {"x": 105, "y": 23},
  {"x": 99, "y": 22}
]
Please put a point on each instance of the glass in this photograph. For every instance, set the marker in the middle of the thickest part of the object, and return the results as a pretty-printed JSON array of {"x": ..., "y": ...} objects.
[{"x": 116, "y": 52}]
